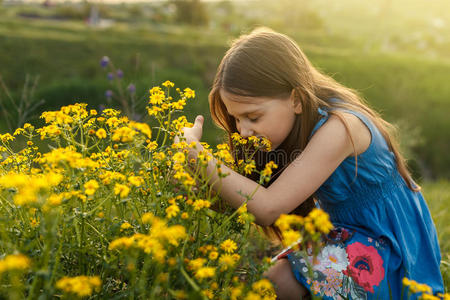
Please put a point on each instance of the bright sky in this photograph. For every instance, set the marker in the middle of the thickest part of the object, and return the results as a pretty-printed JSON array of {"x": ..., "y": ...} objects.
[{"x": 99, "y": 1}]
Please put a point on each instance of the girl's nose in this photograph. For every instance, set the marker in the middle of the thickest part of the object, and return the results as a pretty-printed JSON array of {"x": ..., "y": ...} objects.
[{"x": 246, "y": 131}]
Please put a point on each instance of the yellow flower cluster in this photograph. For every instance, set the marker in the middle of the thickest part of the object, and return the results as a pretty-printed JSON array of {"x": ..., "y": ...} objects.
[
  {"x": 5, "y": 138},
  {"x": 179, "y": 123},
  {"x": 257, "y": 143},
  {"x": 244, "y": 215},
  {"x": 264, "y": 289},
  {"x": 267, "y": 172},
  {"x": 223, "y": 154},
  {"x": 121, "y": 189},
  {"x": 200, "y": 203},
  {"x": 161, "y": 101},
  {"x": 14, "y": 262},
  {"x": 97, "y": 174},
  {"x": 82, "y": 286},
  {"x": 61, "y": 156},
  {"x": 154, "y": 243},
  {"x": 28, "y": 187},
  {"x": 425, "y": 290},
  {"x": 293, "y": 228},
  {"x": 261, "y": 290},
  {"x": 321, "y": 221},
  {"x": 227, "y": 261}
]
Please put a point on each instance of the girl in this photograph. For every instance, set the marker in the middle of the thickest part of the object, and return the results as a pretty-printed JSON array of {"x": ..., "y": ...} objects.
[{"x": 265, "y": 86}]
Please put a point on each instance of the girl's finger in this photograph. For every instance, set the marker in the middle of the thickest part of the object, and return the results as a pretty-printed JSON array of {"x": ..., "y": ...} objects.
[{"x": 199, "y": 121}]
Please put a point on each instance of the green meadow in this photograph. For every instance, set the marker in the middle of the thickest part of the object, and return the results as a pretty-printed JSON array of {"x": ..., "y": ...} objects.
[{"x": 394, "y": 53}]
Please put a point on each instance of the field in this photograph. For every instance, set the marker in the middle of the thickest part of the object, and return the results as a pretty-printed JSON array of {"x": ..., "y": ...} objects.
[{"x": 397, "y": 58}]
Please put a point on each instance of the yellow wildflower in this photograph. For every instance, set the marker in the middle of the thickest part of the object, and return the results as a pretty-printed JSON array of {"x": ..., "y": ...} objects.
[
  {"x": 54, "y": 199},
  {"x": 179, "y": 157},
  {"x": 125, "y": 226},
  {"x": 205, "y": 272},
  {"x": 157, "y": 98},
  {"x": 227, "y": 261},
  {"x": 196, "y": 264},
  {"x": 236, "y": 292},
  {"x": 14, "y": 262},
  {"x": 101, "y": 133},
  {"x": 172, "y": 211},
  {"x": 121, "y": 190},
  {"x": 290, "y": 237},
  {"x": 321, "y": 220},
  {"x": 123, "y": 242},
  {"x": 90, "y": 187},
  {"x": 264, "y": 288},
  {"x": 135, "y": 180},
  {"x": 208, "y": 293},
  {"x": 123, "y": 134},
  {"x": 82, "y": 286},
  {"x": 168, "y": 83},
  {"x": 428, "y": 297},
  {"x": 248, "y": 169},
  {"x": 228, "y": 246},
  {"x": 199, "y": 204},
  {"x": 189, "y": 93},
  {"x": 252, "y": 296},
  {"x": 34, "y": 222},
  {"x": 213, "y": 255},
  {"x": 147, "y": 218}
]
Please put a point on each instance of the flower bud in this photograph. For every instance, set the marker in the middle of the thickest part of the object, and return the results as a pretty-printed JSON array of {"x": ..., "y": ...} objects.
[
  {"x": 108, "y": 94},
  {"x": 104, "y": 61},
  {"x": 131, "y": 88}
]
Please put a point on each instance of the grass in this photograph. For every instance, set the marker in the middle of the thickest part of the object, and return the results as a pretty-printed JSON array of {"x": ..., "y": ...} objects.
[
  {"x": 437, "y": 195},
  {"x": 408, "y": 90}
]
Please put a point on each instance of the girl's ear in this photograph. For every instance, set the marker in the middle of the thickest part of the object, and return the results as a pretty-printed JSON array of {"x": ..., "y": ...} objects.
[{"x": 296, "y": 102}]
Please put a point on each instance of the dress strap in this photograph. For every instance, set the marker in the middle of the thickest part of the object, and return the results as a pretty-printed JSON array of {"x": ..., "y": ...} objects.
[{"x": 323, "y": 118}]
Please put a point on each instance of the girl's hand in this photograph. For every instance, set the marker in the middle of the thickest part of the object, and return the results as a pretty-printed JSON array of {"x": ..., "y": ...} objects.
[{"x": 193, "y": 134}]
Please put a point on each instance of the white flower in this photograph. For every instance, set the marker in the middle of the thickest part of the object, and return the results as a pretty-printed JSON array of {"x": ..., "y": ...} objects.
[{"x": 332, "y": 256}]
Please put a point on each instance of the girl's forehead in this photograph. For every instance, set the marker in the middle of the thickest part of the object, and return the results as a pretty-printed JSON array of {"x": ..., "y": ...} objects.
[
  {"x": 230, "y": 97},
  {"x": 241, "y": 105}
]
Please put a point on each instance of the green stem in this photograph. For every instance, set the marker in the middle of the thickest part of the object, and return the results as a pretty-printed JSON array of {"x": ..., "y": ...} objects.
[
  {"x": 234, "y": 213},
  {"x": 167, "y": 129}
]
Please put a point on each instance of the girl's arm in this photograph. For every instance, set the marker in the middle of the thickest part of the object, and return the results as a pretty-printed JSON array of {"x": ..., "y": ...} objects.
[{"x": 329, "y": 146}]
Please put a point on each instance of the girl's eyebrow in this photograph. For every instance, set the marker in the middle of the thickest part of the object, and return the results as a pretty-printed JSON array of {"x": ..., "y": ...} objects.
[{"x": 249, "y": 112}]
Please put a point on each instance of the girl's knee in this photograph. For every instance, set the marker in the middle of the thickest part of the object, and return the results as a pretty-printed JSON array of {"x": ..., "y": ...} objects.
[
  {"x": 279, "y": 267},
  {"x": 284, "y": 281}
]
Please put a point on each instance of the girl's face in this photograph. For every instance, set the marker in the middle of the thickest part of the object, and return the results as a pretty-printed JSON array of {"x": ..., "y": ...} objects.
[{"x": 272, "y": 118}]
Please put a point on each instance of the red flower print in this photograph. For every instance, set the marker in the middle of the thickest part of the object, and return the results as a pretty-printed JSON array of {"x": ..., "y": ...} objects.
[{"x": 365, "y": 266}]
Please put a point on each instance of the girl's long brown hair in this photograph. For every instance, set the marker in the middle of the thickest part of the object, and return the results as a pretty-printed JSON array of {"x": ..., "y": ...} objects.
[{"x": 265, "y": 63}]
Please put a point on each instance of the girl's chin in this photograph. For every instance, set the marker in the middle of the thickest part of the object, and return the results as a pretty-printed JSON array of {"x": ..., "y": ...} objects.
[{"x": 274, "y": 147}]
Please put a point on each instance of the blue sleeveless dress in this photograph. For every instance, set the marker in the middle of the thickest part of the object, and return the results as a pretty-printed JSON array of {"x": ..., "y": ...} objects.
[{"x": 383, "y": 230}]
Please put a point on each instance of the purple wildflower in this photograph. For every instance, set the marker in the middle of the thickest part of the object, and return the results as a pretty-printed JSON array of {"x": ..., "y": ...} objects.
[
  {"x": 131, "y": 88},
  {"x": 101, "y": 108},
  {"x": 104, "y": 61},
  {"x": 108, "y": 93},
  {"x": 110, "y": 76},
  {"x": 119, "y": 73}
]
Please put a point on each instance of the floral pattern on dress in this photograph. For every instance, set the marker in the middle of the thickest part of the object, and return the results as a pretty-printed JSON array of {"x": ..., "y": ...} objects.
[
  {"x": 342, "y": 271},
  {"x": 365, "y": 265},
  {"x": 334, "y": 257}
]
